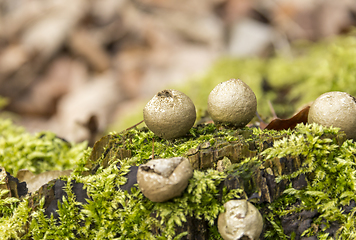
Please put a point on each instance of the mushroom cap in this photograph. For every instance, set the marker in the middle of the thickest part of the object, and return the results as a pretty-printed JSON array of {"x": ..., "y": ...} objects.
[
  {"x": 337, "y": 109},
  {"x": 163, "y": 179},
  {"x": 232, "y": 102},
  {"x": 240, "y": 219},
  {"x": 169, "y": 114}
]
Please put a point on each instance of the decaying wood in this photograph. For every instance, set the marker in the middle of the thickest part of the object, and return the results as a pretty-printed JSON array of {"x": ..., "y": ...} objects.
[
  {"x": 258, "y": 182},
  {"x": 208, "y": 155},
  {"x": 16, "y": 188}
]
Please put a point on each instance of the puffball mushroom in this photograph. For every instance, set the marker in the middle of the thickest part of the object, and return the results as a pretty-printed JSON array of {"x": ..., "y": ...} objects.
[
  {"x": 240, "y": 219},
  {"x": 337, "y": 109},
  {"x": 232, "y": 102},
  {"x": 169, "y": 114},
  {"x": 163, "y": 179}
]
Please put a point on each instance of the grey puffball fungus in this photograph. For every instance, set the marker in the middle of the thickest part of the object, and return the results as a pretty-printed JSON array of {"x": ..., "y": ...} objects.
[
  {"x": 233, "y": 103},
  {"x": 337, "y": 109},
  {"x": 164, "y": 179},
  {"x": 240, "y": 219},
  {"x": 169, "y": 114}
]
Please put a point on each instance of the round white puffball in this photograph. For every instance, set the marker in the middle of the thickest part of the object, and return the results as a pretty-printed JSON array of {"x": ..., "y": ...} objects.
[
  {"x": 233, "y": 103},
  {"x": 169, "y": 114},
  {"x": 337, "y": 109}
]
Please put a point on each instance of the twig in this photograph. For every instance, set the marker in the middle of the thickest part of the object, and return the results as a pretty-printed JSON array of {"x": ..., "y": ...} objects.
[
  {"x": 134, "y": 125},
  {"x": 259, "y": 117},
  {"x": 262, "y": 123},
  {"x": 272, "y": 109}
]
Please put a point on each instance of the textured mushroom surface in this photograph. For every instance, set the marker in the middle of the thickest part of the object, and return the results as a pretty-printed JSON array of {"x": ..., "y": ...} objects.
[
  {"x": 163, "y": 179},
  {"x": 337, "y": 109},
  {"x": 232, "y": 102},
  {"x": 169, "y": 114},
  {"x": 240, "y": 219}
]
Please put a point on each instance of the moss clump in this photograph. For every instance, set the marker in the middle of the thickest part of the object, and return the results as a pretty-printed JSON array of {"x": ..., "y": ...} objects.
[
  {"x": 141, "y": 143},
  {"x": 112, "y": 213},
  {"x": 329, "y": 167},
  {"x": 37, "y": 153},
  {"x": 12, "y": 226},
  {"x": 321, "y": 155}
]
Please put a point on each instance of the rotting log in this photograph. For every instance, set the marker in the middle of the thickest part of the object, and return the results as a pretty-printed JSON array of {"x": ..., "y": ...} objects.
[
  {"x": 258, "y": 182},
  {"x": 259, "y": 185}
]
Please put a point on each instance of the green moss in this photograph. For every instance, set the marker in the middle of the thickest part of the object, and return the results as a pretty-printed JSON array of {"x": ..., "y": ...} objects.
[
  {"x": 37, "y": 153},
  {"x": 14, "y": 226},
  {"x": 142, "y": 142},
  {"x": 330, "y": 168},
  {"x": 111, "y": 213},
  {"x": 7, "y": 204}
]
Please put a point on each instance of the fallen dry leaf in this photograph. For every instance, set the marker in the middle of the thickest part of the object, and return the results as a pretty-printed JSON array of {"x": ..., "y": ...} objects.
[
  {"x": 290, "y": 123},
  {"x": 34, "y": 182}
]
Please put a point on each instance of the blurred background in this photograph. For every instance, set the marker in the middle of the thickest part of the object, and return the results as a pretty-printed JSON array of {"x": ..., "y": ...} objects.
[{"x": 81, "y": 68}]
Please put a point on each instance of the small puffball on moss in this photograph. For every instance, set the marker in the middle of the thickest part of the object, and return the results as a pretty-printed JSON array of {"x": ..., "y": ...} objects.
[
  {"x": 337, "y": 109},
  {"x": 169, "y": 114},
  {"x": 232, "y": 102},
  {"x": 163, "y": 179},
  {"x": 240, "y": 219}
]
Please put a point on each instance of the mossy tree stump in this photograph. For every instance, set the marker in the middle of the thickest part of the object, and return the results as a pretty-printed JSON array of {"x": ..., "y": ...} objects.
[{"x": 279, "y": 172}]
